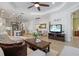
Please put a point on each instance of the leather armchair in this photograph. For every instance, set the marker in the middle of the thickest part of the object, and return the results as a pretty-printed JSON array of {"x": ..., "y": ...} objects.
[{"x": 16, "y": 49}]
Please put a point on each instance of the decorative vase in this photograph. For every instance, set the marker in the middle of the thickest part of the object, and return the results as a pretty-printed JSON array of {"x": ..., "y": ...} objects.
[{"x": 38, "y": 40}]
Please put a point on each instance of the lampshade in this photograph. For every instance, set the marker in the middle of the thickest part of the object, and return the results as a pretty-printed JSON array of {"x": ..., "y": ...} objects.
[{"x": 8, "y": 28}]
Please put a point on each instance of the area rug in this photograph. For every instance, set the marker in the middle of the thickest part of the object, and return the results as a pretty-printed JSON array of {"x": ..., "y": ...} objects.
[{"x": 51, "y": 53}]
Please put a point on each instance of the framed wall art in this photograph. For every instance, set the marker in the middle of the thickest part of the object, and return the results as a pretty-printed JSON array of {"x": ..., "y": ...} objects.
[{"x": 42, "y": 26}]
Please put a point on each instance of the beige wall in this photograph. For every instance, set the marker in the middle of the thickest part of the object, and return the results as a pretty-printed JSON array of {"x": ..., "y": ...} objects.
[
  {"x": 76, "y": 24},
  {"x": 76, "y": 20}
]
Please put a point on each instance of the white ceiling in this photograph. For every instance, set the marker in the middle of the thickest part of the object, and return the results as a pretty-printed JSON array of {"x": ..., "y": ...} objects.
[
  {"x": 21, "y": 8},
  {"x": 25, "y": 5}
]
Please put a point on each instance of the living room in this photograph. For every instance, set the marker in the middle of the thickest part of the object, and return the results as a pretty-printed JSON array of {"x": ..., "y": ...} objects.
[{"x": 45, "y": 29}]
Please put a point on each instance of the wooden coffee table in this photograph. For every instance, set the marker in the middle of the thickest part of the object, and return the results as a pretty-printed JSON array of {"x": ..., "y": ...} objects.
[{"x": 43, "y": 45}]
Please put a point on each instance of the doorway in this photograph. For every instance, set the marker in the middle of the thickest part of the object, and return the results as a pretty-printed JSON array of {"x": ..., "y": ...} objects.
[{"x": 75, "y": 40}]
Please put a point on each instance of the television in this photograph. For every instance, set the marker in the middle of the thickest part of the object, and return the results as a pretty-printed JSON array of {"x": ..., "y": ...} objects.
[{"x": 57, "y": 28}]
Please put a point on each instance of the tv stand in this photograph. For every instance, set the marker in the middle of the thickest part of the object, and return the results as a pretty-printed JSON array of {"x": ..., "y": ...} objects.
[{"x": 56, "y": 36}]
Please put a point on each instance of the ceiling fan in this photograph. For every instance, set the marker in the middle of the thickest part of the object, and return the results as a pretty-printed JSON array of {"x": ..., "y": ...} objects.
[{"x": 37, "y": 5}]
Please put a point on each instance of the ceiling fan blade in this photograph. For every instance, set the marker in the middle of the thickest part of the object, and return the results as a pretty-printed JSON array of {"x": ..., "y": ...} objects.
[
  {"x": 46, "y": 5},
  {"x": 30, "y": 6},
  {"x": 32, "y": 2},
  {"x": 35, "y": 2},
  {"x": 38, "y": 8}
]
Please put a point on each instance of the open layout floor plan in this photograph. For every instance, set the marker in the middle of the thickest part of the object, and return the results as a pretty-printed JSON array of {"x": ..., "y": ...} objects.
[{"x": 39, "y": 28}]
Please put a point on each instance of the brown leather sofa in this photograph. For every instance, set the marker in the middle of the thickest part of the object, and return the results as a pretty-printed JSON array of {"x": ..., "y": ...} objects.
[{"x": 15, "y": 49}]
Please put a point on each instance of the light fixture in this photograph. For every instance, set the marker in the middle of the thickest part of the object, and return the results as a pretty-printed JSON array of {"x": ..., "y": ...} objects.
[{"x": 36, "y": 5}]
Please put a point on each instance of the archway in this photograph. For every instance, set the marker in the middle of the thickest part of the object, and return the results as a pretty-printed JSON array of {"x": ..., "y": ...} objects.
[{"x": 75, "y": 21}]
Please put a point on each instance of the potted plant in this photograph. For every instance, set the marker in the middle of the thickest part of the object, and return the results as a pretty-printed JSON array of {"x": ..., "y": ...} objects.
[{"x": 36, "y": 36}]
